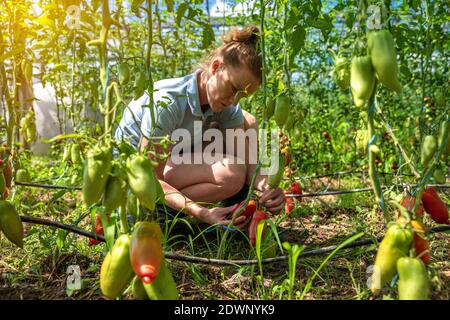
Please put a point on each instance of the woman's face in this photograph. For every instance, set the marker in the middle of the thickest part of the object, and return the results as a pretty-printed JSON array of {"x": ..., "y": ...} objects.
[{"x": 227, "y": 85}]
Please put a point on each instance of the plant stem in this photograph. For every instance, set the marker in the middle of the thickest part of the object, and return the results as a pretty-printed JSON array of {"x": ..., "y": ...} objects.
[
  {"x": 371, "y": 155},
  {"x": 263, "y": 60},
  {"x": 148, "y": 60},
  {"x": 250, "y": 192},
  {"x": 396, "y": 142}
]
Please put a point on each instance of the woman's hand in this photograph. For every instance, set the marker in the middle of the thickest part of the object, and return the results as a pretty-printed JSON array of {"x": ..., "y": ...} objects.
[
  {"x": 221, "y": 216},
  {"x": 273, "y": 200}
]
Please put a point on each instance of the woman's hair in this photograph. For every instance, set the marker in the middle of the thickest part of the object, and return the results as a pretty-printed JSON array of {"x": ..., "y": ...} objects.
[{"x": 240, "y": 47}]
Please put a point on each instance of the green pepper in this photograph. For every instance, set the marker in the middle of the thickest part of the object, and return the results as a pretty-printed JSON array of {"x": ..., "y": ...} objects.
[
  {"x": 140, "y": 81},
  {"x": 22, "y": 175},
  {"x": 282, "y": 106},
  {"x": 362, "y": 79},
  {"x": 124, "y": 73},
  {"x": 116, "y": 190},
  {"x": 341, "y": 73},
  {"x": 362, "y": 140},
  {"x": 394, "y": 245},
  {"x": 275, "y": 179},
  {"x": 75, "y": 153},
  {"x": 138, "y": 289},
  {"x": 381, "y": 48},
  {"x": 413, "y": 283},
  {"x": 142, "y": 180},
  {"x": 116, "y": 272},
  {"x": 66, "y": 154},
  {"x": 96, "y": 171},
  {"x": 10, "y": 223},
  {"x": 163, "y": 287},
  {"x": 429, "y": 147},
  {"x": 443, "y": 135},
  {"x": 270, "y": 108},
  {"x": 132, "y": 207},
  {"x": 289, "y": 123},
  {"x": 2, "y": 183}
]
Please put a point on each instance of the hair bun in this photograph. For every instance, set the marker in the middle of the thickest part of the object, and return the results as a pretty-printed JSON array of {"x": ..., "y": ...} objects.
[{"x": 249, "y": 34}]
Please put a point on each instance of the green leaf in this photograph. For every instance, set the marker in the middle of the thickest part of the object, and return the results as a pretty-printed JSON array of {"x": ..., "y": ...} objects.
[
  {"x": 87, "y": 18},
  {"x": 350, "y": 20},
  {"x": 297, "y": 39},
  {"x": 259, "y": 231},
  {"x": 135, "y": 6},
  {"x": 59, "y": 67},
  {"x": 322, "y": 24},
  {"x": 275, "y": 232},
  {"x": 96, "y": 4},
  {"x": 405, "y": 71},
  {"x": 61, "y": 236},
  {"x": 181, "y": 11},
  {"x": 11, "y": 53},
  {"x": 292, "y": 20},
  {"x": 57, "y": 195},
  {"x": 208, "y": 36},
  {"x": 192, "y": 13},
  {"x": 169, "y": 4}
]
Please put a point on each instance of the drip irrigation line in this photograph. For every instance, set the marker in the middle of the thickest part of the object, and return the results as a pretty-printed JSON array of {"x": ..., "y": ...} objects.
[
  {"x": 63, "y": 226},
  {"x": 210, "y": 261},
  {"x": 337, "y": 192},
  {"x": 320, "y": 194},
  {"x": 46, "y": 186},
  {"x": 340, "y": 173}
]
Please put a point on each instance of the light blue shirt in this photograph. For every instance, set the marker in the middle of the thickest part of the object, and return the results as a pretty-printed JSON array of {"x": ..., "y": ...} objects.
[{"x": 177, "y": 105}]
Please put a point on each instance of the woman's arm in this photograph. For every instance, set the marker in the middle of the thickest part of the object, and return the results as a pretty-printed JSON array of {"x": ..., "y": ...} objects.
[{"x": 178, "y": 201}]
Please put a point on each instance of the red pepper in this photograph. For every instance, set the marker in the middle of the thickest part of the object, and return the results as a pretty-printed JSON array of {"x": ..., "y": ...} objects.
[
  {"x": 434, "y": 206},
  {"x": 296, "y": 188},
  {"x": 408, "y": 203},
  {"x": 252, "y": 227},
  {"x": 8, "y": 173},
  {"x": 289, "y": 206},
  {"x": 98, "y": 230},
  {"x": 249, "y": 209},
  {"x": 146, "y": 250},
  {"x": 420, "y": 242}
]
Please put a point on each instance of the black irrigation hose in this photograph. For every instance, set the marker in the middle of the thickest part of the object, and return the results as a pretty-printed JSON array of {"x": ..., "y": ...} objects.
[
  {"x": 46, "y": 186},
  {"x": 63, "y": 226},
  {"x": 333, "y": 193},
  {"x": 193, "y": 259},
  {"x": 322, "y": 194},
  {"x": 339, "y": 173}
]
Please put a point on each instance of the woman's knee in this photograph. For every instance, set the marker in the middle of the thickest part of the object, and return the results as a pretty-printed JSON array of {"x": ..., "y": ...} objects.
[
  {"x": 172, "y": 173},
  {"x": 233, "y": 176}
]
